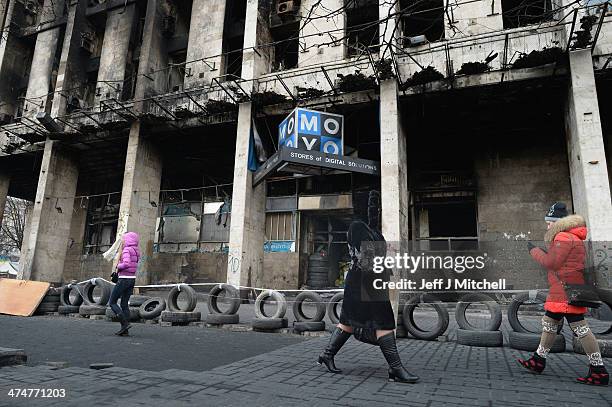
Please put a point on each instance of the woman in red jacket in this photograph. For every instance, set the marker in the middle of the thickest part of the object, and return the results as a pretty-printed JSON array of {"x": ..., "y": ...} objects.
[{"x": 565, "y": 261}]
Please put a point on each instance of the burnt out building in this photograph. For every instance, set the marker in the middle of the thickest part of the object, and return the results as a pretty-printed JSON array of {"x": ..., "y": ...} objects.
[{"x": 138, "y": 115}]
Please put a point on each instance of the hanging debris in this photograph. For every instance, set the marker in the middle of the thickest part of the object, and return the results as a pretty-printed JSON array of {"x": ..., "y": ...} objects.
[
  {"x": 384, "y": 69},
  {"x": 355, "y": 82},
  {"x": 537, "y": 58},
  {"x": 425, "y": 75},
  {"x": 583, "y": 37},
  {"x": 267, "y": 98},
  {"x": 220, "y": 106}
]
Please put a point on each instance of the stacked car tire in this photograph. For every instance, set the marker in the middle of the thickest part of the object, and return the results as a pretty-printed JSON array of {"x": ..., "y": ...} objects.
[
  {"x": 217, "y": 315},
  {"x": 411, "y": 325},
  {"x": 270, "y": 323},
  {"x": 305, "y": 323},
  {"x": 70, "y": 300},
  {"x": 318, "y": 272},
  {"x": 50, "y": 302},
  {"x": 488, "y": 335},
  {"x": 523, "y": 337},
  {"x": 92, "y": 305},
  {"x": 177, "y": 313}
]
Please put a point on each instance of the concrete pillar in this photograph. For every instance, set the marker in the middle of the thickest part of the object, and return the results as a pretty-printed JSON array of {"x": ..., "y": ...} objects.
[
  {"x": 587, "y": 160},
  {"x": 10, "y": 48},
  {"x": 5, "y": 181},
  {"x": 141, "y": 185},
  {"x": 394, "y": 177},
  {"x": 49, "y": 223},
  {"x": 114, "y": 55},
  {"x": 393, "y": 156},
  {"x": 309, "y": 38},
  {"x": 205, "y": 40},
  {"x": 70, "y": 73},
  {"x": 39, "y": 82},
  {"x": 245, "y": 261}
]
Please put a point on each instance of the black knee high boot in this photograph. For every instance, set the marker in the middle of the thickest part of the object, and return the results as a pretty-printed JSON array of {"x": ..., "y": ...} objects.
[
  {"x": 125, "y": 326},
  {"x": 338, "y": 338},
  {"x": 397, "y": 372}
]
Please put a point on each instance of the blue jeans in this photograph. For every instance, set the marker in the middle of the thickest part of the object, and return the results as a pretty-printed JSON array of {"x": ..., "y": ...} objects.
[{"x": 123, "y": 289}]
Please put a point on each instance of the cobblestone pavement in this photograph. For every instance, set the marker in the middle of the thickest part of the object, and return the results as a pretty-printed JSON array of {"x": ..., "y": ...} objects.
[{"x": 451, "y": 375}]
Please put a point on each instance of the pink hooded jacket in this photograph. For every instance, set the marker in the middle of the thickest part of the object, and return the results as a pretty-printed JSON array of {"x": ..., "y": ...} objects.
[{"x": 129, "y": 257}]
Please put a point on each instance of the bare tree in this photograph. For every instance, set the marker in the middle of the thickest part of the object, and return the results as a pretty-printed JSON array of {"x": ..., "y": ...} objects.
[{"x": 13, "y": 225}]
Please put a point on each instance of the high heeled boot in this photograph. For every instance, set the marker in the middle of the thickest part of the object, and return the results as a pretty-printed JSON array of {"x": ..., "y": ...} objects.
[
  {"x": 397, "y": 372},
  {"x": 336, "y": 341}
]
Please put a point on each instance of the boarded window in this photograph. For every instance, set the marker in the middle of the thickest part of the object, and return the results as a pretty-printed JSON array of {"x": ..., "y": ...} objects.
[{"x": 280, "y": 226}]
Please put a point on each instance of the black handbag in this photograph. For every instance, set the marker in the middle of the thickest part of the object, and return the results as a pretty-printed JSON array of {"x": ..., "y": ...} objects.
[
  {"x": 114, "y": 277},
  {"x": 580, "y": 295}
]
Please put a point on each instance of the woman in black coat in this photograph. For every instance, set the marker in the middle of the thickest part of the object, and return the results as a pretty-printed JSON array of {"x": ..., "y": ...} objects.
[{"x": 366, "y": 311}]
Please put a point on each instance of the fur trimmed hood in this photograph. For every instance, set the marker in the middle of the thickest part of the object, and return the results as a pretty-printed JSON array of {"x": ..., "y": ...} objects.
[{"x": 566, "y": 224}]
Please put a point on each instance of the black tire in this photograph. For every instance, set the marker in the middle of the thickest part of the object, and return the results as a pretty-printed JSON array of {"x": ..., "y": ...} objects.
[
  {"x": 192, "y": 299},
  {"x": 134, "y": 314},
  {"x": 68, "y": 309},
  {"x": 605, "y": 295},
  {"x": 65, "y": 297},
  {"x": 86, "y": 309},
  {"x": 514, "y": 307},
  {"x": 401, "y": 332},
  {"x": 281, "y": 304},
  {"x": 152, "y": 308},
  {"x": 221, "y": 319},
  {"x": 231, "y": 293},
  {"x": 269, "y": 324},
  {"x": 309, "y": 326},
  {"x": 50, "y": 300},
  {"x": 480, "y": 338},
  {"x": 605, "y": 347},
  {"x": 43, "y": 308},
  {"x": 530, "y": 342},
  {"x": 408, "y": 316},
  {"x": 332, "y": 307},
  {"x": 298, "y": 313},
  {"x": 178, "y": 316},
  {"x": 318, "y": 271},
  {"x": 87, "y": 293},
  {"x": 494, "y": 309},
  {"x": 138, "y": 300},
  {"x": 317, "y": 263}
]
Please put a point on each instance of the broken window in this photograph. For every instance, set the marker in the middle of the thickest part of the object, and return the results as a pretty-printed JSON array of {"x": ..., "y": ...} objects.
[
  {"x": 101, "y": 223},
  {"x": 422, "y": 17},
  {"x": 362, "y": 26},
  {"x": 280, "y": 226},
  {"x": 286, "y": 49},
  {"x": 233, "y": 37},
  {"x": 519, "y": 13},
  {"x": 190, "y": 221}
]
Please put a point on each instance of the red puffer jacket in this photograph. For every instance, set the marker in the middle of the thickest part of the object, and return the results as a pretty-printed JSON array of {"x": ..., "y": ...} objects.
[{"x": 566, "y": 256}]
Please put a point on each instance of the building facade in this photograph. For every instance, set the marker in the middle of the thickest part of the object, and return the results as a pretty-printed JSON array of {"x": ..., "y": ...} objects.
[{"x": 138, "y": 115}]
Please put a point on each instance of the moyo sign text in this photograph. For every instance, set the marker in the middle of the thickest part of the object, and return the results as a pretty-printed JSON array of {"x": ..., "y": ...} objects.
[{"x": 310, "y": 130}]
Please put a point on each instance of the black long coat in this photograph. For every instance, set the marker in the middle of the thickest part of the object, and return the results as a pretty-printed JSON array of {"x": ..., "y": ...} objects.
[{"x": 363, "y": 305}]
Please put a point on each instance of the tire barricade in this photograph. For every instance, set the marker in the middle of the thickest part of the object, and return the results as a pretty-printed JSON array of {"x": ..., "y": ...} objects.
[
  {"x": 411, "y": 325},
  {"x": 468, "y": 334}
]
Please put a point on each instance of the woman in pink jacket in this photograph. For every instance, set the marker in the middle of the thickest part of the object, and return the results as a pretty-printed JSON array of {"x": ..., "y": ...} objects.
[{"x": 126, "y": 269}]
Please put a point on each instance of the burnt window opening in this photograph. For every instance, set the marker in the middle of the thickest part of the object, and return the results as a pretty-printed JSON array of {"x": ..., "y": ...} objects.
[
  {"x": 233, "y": 37},
  {"x": 362, "y": 26},
  {"x": 519, "y": 13},
  {"x": 286, "y": 49},
  {"x": 175, "y": 24},
  {"x": 176, "y": 70},
  {"x": 449, "y": 224},
  {"x": 101, "y": 223},
  {"x": 423, "y": 17}
]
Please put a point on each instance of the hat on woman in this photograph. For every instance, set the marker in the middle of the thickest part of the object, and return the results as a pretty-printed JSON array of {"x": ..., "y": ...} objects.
[{"x": 556, "y": 212}]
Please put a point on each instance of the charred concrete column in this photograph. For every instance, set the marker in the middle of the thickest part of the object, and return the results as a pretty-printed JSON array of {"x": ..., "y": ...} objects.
[
  {"x": 205, "y": 40},
  {"x": 587, "y": 159},
  {"x": 10, "y": 48},
  {"x": 69, "y": 75},
  {"x": 39, "y": 83},
  {"x": 49, "y": 223},
  {"x": 5, "y": 181},
  {"x": 394, "y": 177},
  {"x": 114, "y": 55},
  {"x": 245, "y": 261},
  {"x": 309, "y": 34},
  {"x": 139, "y": 195},
  {"x": 393, "y": 156},
  {"x": 143, "y": 163}
]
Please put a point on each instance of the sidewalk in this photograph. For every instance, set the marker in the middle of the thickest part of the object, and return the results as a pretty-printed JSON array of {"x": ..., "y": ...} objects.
[{"x": 451, "y": 375}]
